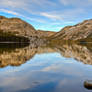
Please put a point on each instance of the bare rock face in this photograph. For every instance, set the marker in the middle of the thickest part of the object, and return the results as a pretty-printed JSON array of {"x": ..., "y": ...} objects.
[
  {"x": 16, "y": 27},
  {"x": 77, "y": 32}
]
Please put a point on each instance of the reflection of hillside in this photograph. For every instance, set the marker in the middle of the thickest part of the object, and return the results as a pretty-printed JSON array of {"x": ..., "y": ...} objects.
[
  {"x": 79, "y": 52},
  {"x": 19, "y": 55},
  {"x": 15, "y": 57}
]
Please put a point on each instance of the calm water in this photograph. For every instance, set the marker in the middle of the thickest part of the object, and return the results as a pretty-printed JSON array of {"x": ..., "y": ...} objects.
[{"x": 59, "y": 68}]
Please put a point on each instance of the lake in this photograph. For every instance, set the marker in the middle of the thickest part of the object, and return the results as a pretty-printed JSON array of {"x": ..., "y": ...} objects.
[{"x": 52, "y": 68}]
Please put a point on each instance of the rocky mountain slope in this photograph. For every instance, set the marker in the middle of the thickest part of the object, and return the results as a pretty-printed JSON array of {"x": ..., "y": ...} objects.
[
  {"x": 77, "y": 32},
  {"x": 17, "y": 30},
  {"x": 19, "y": 27},
  {"x": 43, "y": 33},
  {"x": 16, "y": 27}
]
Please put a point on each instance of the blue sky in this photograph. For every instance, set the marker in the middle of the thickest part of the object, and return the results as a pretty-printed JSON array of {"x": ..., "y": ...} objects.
[{"x": 50, "y": 15}]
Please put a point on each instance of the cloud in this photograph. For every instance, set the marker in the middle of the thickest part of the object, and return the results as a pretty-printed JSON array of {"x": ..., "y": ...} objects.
[
  {"x": 10, "y": 12},
  {"x": 70, "y": 2},
  {"x": 67, "y": 16},
  {"x": 77, "y": 3},
  {"x": 26, "y": 4},
  {"x": 51, "y": 16},
  {"x": 43, "y": 8},
  {"x": 47, "y": 11},
  {"x": 26, "y": 7},
  {"x": 20, "y": 15}
]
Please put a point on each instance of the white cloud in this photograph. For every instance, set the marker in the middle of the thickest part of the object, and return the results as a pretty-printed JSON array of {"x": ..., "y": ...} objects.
[
  {"x": 26, "y": 4},
  {"x": 78, "y": 3},
  {"x": 39, "y": 8},
  {"x": 70, "y": 2},
  {"x": 51, "y": 16},
  {"x": 65, "y": 2},
  {"x": 20, "y": 15},
  {"x": 38, "y": 11},
  {"x": 26, "y": 7},
  {"x": 10, "y": 12},
  {"x": 65, "y": 15}
]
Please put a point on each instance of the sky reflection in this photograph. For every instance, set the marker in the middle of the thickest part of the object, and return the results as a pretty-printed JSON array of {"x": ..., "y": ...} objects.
[{"x": 49, "y": 73}]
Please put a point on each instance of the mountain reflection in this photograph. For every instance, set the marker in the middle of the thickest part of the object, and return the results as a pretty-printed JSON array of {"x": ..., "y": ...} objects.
[
  {"x": 80, "y": 52},
  {"x": 17, "y": 54}
]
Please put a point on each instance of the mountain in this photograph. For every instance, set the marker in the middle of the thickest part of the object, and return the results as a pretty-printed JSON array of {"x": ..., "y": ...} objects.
[
  {"x": 17, "y": 30},
  {"x": 44, "y": 33},
  {"x": 16, "y": 27},
  {"x": 77, "y": 32}
]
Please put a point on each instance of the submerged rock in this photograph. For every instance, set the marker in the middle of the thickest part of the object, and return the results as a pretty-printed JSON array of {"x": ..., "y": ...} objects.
[{"x": 88, "y": 84}]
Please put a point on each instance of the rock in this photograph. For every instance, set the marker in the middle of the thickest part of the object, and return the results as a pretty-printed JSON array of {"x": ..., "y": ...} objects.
[{"x": 88, "y": 84}]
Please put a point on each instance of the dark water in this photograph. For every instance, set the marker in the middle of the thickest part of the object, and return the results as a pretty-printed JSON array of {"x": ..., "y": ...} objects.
[{"x": 54, "y": 68}]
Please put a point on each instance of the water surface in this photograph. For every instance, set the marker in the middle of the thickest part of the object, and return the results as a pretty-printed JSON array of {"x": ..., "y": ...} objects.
[{"x": 54, "y": 68}]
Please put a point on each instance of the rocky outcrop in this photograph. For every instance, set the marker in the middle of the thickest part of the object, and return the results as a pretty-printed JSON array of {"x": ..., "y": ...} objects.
[{"x": 77, "y": 32}]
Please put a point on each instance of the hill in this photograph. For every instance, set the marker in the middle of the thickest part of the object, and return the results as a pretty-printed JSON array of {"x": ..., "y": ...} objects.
[{"x": 81, "y": 31}]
